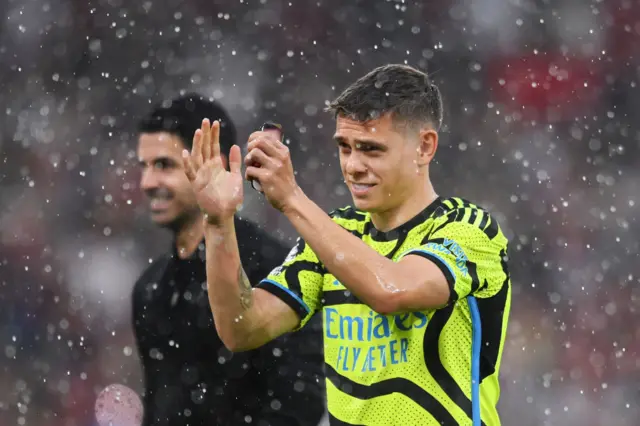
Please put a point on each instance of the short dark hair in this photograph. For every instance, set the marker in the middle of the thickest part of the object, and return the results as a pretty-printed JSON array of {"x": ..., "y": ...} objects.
[
  {"x": 406, "y": 93},
  {"x": 182, "y": 116}
]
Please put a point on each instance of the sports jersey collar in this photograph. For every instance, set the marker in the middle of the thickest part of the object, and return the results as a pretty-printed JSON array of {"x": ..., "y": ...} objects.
[{"x": 394, "y": 234}]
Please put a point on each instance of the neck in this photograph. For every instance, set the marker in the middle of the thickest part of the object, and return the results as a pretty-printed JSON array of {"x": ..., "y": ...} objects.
[
  {"x": 189, "y": 236},
  {"x": 415, "y": 203}
]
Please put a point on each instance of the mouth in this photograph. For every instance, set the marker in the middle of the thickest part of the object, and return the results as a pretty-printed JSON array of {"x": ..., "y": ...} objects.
[
  {"x": 158, "y": 204},
  {"x": 360, "y": 189}
]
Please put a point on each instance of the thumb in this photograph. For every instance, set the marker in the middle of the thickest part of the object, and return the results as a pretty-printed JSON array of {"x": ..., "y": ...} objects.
[{"x": 235, "y": 158}]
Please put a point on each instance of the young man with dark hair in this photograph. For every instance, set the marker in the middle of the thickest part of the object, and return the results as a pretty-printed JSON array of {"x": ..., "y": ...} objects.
[
  {"x": 190, "y": 378},
  {"x": 414, "y": 287}
]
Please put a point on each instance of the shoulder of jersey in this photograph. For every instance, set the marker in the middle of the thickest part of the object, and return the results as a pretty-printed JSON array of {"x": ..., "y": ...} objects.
[
  {"x": 455, "y": 208},
  {"x": 450, "y": 204},
  {"x": 348, "y": 213}
]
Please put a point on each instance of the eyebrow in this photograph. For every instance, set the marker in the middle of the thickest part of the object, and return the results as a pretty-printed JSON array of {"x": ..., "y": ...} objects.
[
  {"x": 157, "y": 159},
  {"x": 340, "y": 139}
]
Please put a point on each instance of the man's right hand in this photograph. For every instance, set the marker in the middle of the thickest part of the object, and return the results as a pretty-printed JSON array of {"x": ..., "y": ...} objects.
[{"x": 218, "y": 191}]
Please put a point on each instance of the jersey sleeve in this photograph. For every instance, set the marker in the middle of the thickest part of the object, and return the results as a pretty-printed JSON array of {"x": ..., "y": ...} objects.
[
  {"x": 298, "y": 281},
  {"x": 470, "y": 250}
]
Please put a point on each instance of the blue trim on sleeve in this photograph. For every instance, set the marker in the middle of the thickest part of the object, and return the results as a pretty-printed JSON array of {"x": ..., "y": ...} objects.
[
  {"x": 291, "y": 293},
  {"x": 418, "y": 250},
  {"x": 476, "y": 344}
]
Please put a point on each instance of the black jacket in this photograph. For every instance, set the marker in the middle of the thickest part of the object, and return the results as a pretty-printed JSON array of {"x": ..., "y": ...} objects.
[{"x": 191, "y": 379}]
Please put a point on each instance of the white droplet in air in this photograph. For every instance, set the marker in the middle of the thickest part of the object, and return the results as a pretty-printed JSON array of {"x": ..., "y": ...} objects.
[{"x": 276, "y": 405}]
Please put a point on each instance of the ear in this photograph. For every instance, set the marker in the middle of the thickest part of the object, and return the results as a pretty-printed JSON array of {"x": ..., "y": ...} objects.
[{"x": 427, "y": 146}]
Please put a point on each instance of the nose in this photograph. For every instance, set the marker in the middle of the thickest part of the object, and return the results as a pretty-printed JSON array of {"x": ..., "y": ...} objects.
[
  {"x": 148, "y": 179},
  {"x": 355, "y": 165}
]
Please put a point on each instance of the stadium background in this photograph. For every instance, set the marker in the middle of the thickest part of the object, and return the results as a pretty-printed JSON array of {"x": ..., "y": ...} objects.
[{"x": 542, "y": 127}]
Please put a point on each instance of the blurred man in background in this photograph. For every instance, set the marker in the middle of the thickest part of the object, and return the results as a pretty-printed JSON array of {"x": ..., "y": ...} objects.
[{"x": 190, "y": 377}]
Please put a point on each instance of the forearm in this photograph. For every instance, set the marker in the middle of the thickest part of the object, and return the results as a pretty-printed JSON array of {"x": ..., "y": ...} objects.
[
  {"x": 370, "y": 276},
  {"x": 230, "y": 292}
]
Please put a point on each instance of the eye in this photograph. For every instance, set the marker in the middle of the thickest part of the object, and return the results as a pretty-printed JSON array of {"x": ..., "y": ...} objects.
[
  {"x": 343, "y": 146},
  {"x": 162, "y": 164},
  {"x": 365, "y": 147}
]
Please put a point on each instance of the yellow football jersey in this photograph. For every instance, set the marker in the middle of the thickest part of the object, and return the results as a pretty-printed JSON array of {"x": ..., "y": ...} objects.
[{"x": 433, "y": 367}]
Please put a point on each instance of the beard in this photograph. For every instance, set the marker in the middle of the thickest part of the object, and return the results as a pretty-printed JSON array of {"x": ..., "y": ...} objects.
[
  {"x": 181, "y": 221},
  {"x": 184, "y": 216}
]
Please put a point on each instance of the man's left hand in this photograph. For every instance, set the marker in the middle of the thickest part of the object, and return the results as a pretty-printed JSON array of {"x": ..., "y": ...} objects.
[{"x": 268, "y": 161}]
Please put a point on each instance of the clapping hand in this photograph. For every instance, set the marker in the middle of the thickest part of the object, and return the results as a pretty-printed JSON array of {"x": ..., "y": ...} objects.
[{"x": 218, "y": 191}]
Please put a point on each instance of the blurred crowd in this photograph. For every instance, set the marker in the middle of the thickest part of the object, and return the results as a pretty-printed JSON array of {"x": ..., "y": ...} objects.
[{"x": 541, "y": 127}]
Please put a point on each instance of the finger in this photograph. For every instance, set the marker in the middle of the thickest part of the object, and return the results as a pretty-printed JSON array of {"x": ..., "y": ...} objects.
[
  {"x": 268, "y": 145},
  {"x": 235, "y": 159},
  {"x": 215, "y": 139},
  {"x": 206, "y": 140},
  {"x": 188, "y": 166},
  {"x": 257, "y": 158},
  {"x": 257, "y": 173},
  {"x": 196, "y": 149},
  {"x": 255, "y": 135},
  {"x": 270, "y": 134}
]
